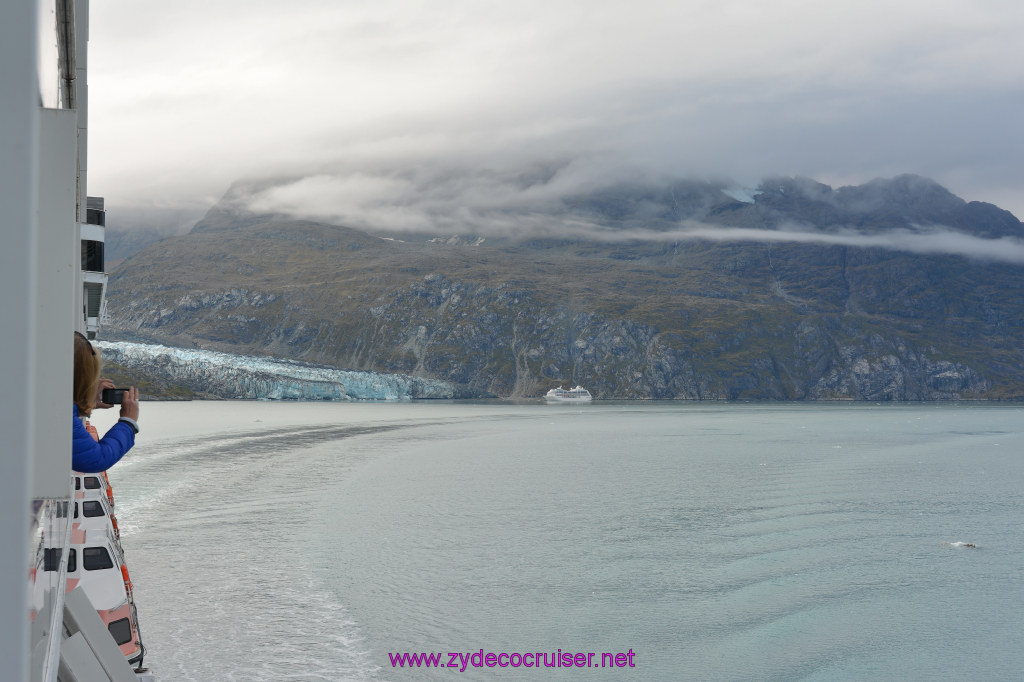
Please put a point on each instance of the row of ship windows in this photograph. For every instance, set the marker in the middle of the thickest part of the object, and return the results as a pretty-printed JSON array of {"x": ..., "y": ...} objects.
[{"x": 93, "y": 559}]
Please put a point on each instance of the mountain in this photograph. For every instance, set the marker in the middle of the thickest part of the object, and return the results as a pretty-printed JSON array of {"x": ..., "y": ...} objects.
[
  {"x": 906, "y": 202},
  {"x": 129, "y": 230},
  {"x": 631, "y": 307}
]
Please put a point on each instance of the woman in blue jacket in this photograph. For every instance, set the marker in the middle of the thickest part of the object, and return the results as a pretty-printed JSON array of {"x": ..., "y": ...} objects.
[{"x": 88, "y": 455}]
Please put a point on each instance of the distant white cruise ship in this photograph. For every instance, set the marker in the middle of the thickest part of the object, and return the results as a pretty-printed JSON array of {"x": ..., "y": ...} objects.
[{"x": 572, "y": 395}]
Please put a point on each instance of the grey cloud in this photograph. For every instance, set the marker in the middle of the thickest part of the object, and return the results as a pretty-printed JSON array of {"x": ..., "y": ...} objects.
[
  {"x": 936, "y": 241},
  {"x": 188, "y": 97},
  {"x": 538, "y": 201}
]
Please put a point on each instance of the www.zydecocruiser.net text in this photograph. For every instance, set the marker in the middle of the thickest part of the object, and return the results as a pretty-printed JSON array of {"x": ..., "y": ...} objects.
[{"x": 462, "y": 660}]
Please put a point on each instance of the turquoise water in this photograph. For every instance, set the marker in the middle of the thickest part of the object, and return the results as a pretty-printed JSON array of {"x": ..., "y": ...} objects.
[{"x": 274, "y": 541}]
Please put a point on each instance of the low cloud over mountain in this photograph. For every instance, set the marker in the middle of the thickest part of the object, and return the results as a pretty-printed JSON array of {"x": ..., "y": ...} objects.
[{"x": 566, "y": 201}]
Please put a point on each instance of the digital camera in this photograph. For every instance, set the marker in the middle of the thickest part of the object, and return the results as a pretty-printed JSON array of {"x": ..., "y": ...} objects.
[{"x": 113, "y": 396}]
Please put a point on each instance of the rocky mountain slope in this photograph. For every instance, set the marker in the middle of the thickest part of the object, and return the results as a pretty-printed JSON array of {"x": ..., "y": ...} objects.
[{"x": 626, "y": 314}]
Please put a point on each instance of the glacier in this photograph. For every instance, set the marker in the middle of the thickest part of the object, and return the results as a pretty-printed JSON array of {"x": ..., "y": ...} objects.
[{"x": 259, "y": 378}]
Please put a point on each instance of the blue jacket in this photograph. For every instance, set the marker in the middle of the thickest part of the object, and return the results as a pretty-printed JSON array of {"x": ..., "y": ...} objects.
[{"x": 91, "y": 457}]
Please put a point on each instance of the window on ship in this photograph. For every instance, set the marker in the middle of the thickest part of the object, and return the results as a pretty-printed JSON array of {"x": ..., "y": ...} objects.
[
  {"x": 91, "y": 509},
  {"x": 96, "y": 558},
  {"x": 92, "y": 255},
  {"x": 92, "y": 483},
  {"x": 121, "y": 631},
  {"x": 51, "y": 559}
]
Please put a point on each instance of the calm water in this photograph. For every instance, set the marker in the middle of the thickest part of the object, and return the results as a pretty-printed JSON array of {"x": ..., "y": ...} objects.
[{"x": 273, "y": 541}]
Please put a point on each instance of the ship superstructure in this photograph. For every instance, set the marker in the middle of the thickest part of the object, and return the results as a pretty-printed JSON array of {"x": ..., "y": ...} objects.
[{"x": 76, "y": 620}]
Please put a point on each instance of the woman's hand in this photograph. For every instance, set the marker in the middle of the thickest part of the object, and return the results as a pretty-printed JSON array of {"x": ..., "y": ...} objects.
[
  {"x": 130, "y": 404},
  {"x": 104, "y": 383}
]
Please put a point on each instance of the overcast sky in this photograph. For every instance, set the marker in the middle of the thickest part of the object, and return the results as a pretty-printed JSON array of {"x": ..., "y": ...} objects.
[{"x": 370, "y": 99}]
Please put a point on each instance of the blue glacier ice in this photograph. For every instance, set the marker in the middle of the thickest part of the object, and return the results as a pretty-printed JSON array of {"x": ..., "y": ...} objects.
[{"x": 248, "y": 377}]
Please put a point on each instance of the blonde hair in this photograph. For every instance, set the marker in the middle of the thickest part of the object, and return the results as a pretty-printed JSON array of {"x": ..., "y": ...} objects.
[{"x": 87, "y": 375}]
